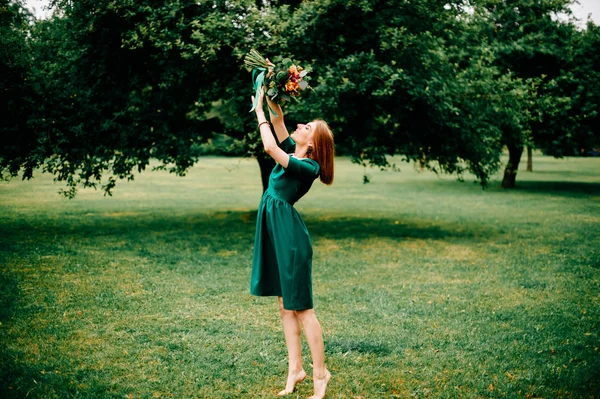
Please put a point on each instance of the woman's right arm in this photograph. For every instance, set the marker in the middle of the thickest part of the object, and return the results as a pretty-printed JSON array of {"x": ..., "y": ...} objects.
[
  {"x": 277, "y": 121},
  {"x": 269, "y": 143}
]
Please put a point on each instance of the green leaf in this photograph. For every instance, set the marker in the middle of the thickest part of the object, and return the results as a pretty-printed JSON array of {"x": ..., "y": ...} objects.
[{"x": 287, "y": 62}]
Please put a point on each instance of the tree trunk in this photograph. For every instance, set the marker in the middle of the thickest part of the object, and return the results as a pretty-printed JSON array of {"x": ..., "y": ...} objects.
[
  {"x": 529, "y": 159},
  {"x": 266, "y": 166},
  {"x": 510, "y": 173}
]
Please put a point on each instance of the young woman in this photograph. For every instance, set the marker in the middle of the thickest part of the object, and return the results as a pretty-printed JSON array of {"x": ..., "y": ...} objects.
[{"x": 282, "y": 263}]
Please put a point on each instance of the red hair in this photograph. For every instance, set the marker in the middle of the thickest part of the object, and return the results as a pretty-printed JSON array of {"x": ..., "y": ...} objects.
[{"x": 322, "y": 150}]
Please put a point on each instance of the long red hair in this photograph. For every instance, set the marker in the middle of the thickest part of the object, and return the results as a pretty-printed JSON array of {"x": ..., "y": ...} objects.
[{"x": 323, "y": 151}]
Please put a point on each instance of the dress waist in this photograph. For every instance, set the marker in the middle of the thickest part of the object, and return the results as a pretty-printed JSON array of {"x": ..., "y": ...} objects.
[{"x": 270, "y": 193}]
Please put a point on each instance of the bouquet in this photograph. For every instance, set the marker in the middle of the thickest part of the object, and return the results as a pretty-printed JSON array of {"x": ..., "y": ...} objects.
[{"x": 283, "y": 82}]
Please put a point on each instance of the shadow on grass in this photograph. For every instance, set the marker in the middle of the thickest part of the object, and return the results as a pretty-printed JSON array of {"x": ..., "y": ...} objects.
[
  {"x": 218, "y": 228},
  {"x": 16, "y": 380},
  {"x": 365, "y": 228},
  {"x": 564, "y": 188},
  {"x": 9, "y": 293}
]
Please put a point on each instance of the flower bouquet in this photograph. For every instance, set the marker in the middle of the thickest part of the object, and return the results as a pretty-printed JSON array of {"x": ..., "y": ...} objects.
[{"x": 283, "y": 82}]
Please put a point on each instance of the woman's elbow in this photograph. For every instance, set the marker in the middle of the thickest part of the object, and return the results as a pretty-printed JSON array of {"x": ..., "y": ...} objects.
[{"x": 270, "y": 148}]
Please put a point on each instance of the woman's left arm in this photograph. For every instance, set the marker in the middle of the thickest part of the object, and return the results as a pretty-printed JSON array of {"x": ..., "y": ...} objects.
[{"x": 267, "y": 137}]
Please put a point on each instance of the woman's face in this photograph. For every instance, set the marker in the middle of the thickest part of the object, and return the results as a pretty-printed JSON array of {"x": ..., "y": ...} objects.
[{"x": 304, "y": 133}]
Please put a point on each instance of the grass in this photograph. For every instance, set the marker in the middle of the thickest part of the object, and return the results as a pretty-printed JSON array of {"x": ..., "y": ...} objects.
[{"x": 425, "y": 287}]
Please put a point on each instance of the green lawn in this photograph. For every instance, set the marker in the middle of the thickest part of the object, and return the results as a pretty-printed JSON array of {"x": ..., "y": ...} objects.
[{"x": 425, "y": 287}]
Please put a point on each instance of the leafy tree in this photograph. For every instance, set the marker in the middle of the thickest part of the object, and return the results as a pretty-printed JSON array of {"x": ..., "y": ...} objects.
[
  {"x": 127, "y": 81},
  {"x": 445, "y": 84},
  {"x": 532, "y": 44},
  {"x": 17, "y": 92},
  {"x": 398, "y": 77},
  {"x": 571, "y": 114}
]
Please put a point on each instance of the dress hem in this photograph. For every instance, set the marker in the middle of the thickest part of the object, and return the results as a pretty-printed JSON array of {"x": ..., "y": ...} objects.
[{"x": 294, "y": 308}]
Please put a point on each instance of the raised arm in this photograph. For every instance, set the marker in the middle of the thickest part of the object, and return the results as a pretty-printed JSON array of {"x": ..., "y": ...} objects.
[
  {"x": 277, "y": 121},
  {"x": 266, "y": 135}
]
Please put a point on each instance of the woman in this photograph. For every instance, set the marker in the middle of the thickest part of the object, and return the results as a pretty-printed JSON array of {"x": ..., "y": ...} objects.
[{"x": 282, "y": 263}]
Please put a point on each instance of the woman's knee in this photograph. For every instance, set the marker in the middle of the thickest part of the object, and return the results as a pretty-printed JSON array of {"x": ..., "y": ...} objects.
[{"x": 307, "y": 316}]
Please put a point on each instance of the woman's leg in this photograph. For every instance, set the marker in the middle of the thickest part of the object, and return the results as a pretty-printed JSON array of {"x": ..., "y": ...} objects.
[
  {"x": 292, "y": 331},
  {"x": 314, "y": 336}
]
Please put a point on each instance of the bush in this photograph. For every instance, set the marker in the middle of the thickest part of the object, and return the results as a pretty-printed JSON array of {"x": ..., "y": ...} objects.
[{"x": 220, "y": 144}]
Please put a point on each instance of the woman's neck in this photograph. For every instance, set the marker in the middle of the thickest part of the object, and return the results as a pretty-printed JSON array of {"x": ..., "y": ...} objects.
[{"x": 301, "y": 151}]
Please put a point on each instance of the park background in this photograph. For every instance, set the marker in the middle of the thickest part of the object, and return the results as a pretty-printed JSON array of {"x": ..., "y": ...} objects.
[{"x": 444, "y": 265}]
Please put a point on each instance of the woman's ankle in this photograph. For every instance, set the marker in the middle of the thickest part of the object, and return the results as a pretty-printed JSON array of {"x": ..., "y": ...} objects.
[
  {"x": 295, "y": 369},
  {"x": 320, "y": 374}
]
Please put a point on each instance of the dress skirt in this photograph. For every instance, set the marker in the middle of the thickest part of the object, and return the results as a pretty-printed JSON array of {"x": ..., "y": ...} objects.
[{"x": 282, "y": 262}]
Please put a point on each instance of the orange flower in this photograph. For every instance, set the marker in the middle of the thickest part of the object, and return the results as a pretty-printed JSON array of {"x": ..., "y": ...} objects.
[
  {"x": 291, "y": 86},
  {"x": 293, "y": 70}
]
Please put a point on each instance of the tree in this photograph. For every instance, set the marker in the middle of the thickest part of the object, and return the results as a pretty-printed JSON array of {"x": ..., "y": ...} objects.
[
  {"x": 17, "y": 94},
  {"x": 118, "y": 83},
  {"x": 124, "y": 82},
  {"x": 398, "y": 77},
  {"x": 572, "y": 111},
  {"x": 532, "y": 44},
  {"x": 529, "y": 159}
]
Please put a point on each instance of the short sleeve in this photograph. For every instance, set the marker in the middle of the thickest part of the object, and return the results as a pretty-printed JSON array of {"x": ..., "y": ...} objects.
[
  {"x": 306, "y": 169},
  {"x": 288, "y": 145}
]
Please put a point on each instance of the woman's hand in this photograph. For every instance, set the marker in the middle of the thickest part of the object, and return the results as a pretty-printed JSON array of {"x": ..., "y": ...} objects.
[
  {"x": 259, "y": 105},
  {"x": 272, "y": 104},
  {"x": 277, "y": 108}
]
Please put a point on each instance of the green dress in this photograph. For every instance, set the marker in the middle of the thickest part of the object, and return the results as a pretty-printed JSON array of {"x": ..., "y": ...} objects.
[{"x": 282, "y": 262}]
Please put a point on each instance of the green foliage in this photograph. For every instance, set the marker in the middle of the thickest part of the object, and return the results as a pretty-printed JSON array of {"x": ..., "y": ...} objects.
[
  {"x": 17, "y": 90},
  {"x": 220, "y": 144},
  {"x": 103, "y": 87},
  {"x": 532, "y": 45},
  {"x": 124, "y": 82},
  {"x": 401, "y": 78},
  {"x": 571, "y": 107}
]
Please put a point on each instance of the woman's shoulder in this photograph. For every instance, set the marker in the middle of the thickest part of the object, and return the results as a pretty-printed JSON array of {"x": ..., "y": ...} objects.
[
  {"x": 304, "y": 166},
  {"x": 308, "y": 160},
  {"x": 311, "y": 163}
]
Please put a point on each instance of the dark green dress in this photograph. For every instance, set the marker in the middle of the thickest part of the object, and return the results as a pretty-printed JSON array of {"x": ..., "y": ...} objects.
[{"x": 282, "y": 262}]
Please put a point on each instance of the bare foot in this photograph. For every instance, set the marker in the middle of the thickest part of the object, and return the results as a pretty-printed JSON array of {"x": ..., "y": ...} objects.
[
  {"x": 321, "y": 385},
  {"x": 292, "y": 380}
]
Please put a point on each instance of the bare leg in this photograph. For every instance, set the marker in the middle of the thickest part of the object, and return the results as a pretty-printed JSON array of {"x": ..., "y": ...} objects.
[
  {"x": 292, "y": 331},
  {"x": 314, "y": 336}
]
